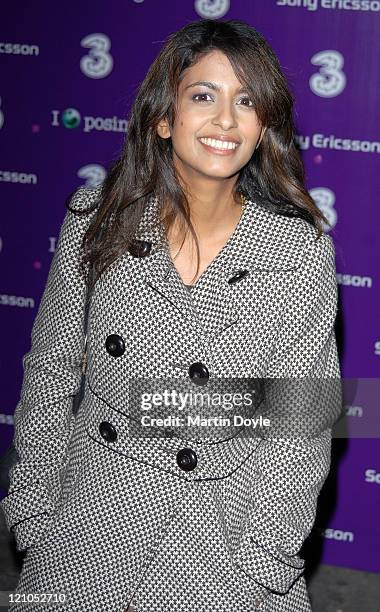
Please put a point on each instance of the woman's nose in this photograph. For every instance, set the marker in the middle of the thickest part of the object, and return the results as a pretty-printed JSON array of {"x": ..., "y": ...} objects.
[{"x": 225, "y": 116}]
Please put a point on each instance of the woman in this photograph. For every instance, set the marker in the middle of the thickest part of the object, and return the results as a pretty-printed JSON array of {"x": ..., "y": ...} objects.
[{"x": 116, "y": 515}]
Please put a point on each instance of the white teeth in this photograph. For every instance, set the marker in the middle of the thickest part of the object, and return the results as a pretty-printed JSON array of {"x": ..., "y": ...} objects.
[{"x": 218, "y": 144}]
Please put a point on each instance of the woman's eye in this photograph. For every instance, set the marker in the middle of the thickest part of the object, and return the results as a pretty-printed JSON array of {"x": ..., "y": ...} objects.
[
  {"x": 203, "y": 95},
  {"x": 200, "y": 95},
  {"x": 249, "y": 100}
]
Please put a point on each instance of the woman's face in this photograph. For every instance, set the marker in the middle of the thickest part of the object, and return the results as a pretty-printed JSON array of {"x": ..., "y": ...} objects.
[{"x": 216, "y": 110}]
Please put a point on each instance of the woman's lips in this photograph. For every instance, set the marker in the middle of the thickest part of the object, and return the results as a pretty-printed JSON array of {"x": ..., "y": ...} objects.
[{"x": 219, "y": 151}]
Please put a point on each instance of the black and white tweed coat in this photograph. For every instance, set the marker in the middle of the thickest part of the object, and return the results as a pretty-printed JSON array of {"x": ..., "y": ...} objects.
[{"x": 112, "y": 519}]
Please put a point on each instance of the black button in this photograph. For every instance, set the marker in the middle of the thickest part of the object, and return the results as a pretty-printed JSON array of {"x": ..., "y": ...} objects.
[
  {"x": 238, "y": 276},
  {"x": 115, "y": 345},
  {"x": 140, "y": 248},
  {"x": 187, "y": 459},
  {"x": 107, "y": 431},
  {"x": 199, "y": 373}
]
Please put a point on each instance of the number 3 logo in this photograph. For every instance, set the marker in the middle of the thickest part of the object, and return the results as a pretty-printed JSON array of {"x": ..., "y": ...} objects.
[
  {"x": 98, "y": 63},
  {"x": 211, "y": 8},
  {"x": 330, "y": 80}
]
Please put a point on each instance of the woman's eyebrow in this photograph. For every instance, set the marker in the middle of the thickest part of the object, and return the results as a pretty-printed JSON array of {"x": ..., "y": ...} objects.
[{"x": 213, "y": 86}]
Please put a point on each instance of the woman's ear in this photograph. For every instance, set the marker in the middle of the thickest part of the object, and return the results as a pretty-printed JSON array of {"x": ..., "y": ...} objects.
[{"x": 163, "y": 129}]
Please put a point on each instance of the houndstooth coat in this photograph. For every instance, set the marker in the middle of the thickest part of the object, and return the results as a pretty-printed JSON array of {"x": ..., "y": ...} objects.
[{"x": 114, "y": 520}]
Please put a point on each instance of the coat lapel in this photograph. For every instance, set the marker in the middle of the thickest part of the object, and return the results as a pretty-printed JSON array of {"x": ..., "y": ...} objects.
[
  {"x": 262, "y": 243},
  {"x": 158, "y": 270},
  {"x": 162, "y": 276}
]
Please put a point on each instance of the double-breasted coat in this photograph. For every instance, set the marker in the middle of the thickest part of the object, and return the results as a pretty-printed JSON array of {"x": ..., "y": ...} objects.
[{"x": 164, "y": 523}]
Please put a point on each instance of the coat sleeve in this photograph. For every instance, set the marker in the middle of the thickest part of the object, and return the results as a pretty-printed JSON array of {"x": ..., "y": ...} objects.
[
  {"x": 290, "y": 470},
  {"x": 43, "y": 418}
]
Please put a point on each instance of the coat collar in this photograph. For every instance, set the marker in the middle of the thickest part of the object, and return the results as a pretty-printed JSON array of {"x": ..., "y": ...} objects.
[{"x": 261, "y": 242}]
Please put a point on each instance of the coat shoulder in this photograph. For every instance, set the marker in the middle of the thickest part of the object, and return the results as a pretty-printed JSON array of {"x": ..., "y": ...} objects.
[
  {"x": 318, "y": 251},
  {"x": 285, "y": 242},
  {"x": 81, "y": 210},
  {"x": 84, "y": 198},
  {"x": 292, "y": 228}
]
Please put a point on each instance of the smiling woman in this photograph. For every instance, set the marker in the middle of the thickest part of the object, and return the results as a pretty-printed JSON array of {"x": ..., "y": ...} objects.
[
  {"x": 213, "y": 82},
  {"x": 215, "y": 135},
  {"x": 118, "y": 515}
]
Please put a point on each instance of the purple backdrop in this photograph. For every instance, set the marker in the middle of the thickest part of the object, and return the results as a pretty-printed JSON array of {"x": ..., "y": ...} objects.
[{"x": 69, "y": 76}]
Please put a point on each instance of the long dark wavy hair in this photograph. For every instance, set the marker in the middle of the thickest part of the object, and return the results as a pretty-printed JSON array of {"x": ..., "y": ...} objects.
[{"x": 274, "y": 176}]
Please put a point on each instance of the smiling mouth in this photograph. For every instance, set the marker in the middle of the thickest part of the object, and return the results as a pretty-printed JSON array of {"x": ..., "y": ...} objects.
[{"x": 219, "y": 146}]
